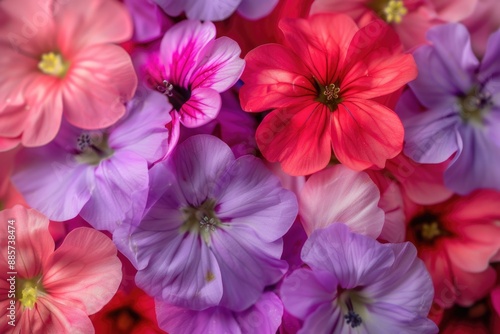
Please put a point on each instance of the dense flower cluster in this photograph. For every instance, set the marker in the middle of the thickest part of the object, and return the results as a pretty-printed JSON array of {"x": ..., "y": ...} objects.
[{"x": 250, "y": 166}]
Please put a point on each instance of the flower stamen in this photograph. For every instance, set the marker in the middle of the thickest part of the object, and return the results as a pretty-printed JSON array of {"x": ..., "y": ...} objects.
[
  {"x": 394, "y": 11},
  {"x": 331, "y": 92},
  {"x": 53, "y": 64},
  {"x": 352, "y": 318}
]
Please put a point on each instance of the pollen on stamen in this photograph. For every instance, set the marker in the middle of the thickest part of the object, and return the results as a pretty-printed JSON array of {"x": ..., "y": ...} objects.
[
  {"x": 353, "y": 319},
  {"x": 208, "y": 223},
  {"x": 394, "y": 11},
  {"x": 331, "y": 92},
  {"x": 166, "y": 89}
]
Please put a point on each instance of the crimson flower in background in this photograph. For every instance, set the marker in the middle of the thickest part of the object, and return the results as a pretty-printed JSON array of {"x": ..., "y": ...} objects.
[
  {"x": 57, "y": 289},
  {"x": 127, "y": 313},
  {"x": 322, "y": 84},
  {"x": 457, "y": 240},
  {"x": 58, "y": 61}
]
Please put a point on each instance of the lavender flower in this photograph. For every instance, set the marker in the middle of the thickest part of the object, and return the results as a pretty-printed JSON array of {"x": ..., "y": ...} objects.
[
  {"x": 100, "y": 174},
  {"x": 354, "y": 284},
  {"x": 453, "y": 109},
  {"x": 212, "y": 230},
  {"x": 264, "y": 318}
]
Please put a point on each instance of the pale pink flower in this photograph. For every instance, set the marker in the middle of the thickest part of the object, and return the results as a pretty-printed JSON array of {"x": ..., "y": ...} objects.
[
  {"x": 58, "y": 61},
  {"x": 55, "y": 291}
]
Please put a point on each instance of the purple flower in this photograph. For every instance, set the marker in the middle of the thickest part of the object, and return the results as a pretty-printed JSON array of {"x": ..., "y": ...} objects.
[
  {"x": 218, "y": 10},
  {"x": 453, "y": 109},
  {"x": 212, "y": 230},
  {"x": 150, "y": 22},
  {"x": 264, "y": 317},
  {"x": 192, "y": 68},
  {"x": 355, "y": 284},
  {"x": 100, "y": 174}
]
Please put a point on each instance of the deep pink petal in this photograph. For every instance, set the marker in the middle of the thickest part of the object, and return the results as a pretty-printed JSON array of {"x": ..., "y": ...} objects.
[
  {"x": 181, "y": 49},
  {"x": 202, "y": 107},
  {"x": 84, "y": 271}
]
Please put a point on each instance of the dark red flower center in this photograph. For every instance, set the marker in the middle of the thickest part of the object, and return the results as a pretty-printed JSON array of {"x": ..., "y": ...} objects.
[
  {"x": 427, "y": 228},
  {"x": 124, "y": 319}
]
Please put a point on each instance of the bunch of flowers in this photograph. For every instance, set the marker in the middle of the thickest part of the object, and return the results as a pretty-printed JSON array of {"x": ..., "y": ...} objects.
[{"x": 249, "y": 166}]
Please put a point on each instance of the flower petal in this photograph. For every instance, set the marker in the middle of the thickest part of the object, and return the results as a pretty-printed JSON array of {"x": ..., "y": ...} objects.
[
  {"x": 202, "y": 107},
  {"x": 220, "y": 67},
  {"x": 100, "y": 79},
  {"x": 297, "y": 136},
  {"x": 341, "y": 195},
  {"x": 85, "y": 262},
  {"x": 365, "y": 133}
]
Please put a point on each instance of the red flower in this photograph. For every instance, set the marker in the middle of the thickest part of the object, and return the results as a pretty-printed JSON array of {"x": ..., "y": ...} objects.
[
  {"x": 132, "y": 313},
  {"x": 457, "y": 240},
  {"x": 323, "y": 83}
]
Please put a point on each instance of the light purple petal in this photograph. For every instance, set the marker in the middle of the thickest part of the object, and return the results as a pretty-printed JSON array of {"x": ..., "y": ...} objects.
[
  {"x": 121, "y": 188},
  {"x": 264, "y": 318},
  {"x": 213, "y": 10},
  {"x": 180, "y": 49},
  {"x": 478, "y": 158},
  {"x": 243, "y": 284},
  {"x": 446, "y": 68},
  {"x": 143, "y": 131},
  {"x": 220, "y": 67},
  {"x": 256, "y": 9},
  {"x": 149, "y": 22},
  {"x": 406, "y": 285},
  {"x": 200, "y": 163},
  {"x": 303, "y": 291},
  {"x": 52, "y": 182},
  {"x": 327, "y": 319},
  {"x": 171, "y": 7},
  {"x": 490, "y": 66},
  {"x": 355, "y": 259},
  {"x": 202, "y": 107},
  {"x": 431, "y": 136},
  {"x": 182, "y": 271},
  {"x": 253, "y": 200},
  {"x": 339, "y": 194}
]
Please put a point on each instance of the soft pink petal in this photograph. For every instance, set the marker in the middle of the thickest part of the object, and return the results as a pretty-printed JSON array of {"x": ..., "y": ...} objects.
[
  {"x": 33, "y": 242},
  {"x": 220, "y": 67},
  {"x": 181, "y": 49},
  {"x": 202, "y": 107},
  {"x": 454, "y": 11},
  {"x": 84, "y": 23},
  {"x": 100, "y": 79},
  {"x": 84, "y": 271},
  {"x": 391, "y": 201},
  {"x": 340, "y": 195}
]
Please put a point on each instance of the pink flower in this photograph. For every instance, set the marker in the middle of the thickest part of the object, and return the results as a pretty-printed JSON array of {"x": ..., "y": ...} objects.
[
  {"x": 341, "y": 195},
  {"x": 55, "y": 291},
  {"x": 410, "y": 18},
  {"x": 58, "y": 60},
  {"x": 457, "y": 240},
  {"x": 192, "y": 68}
]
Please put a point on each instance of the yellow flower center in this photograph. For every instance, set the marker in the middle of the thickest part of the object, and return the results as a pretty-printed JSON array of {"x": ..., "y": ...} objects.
[
  {"x": 53, "y": 64},
  {"x": 394, "y": 11},
  {"x": 29, "y": 294},
  {"x": 430, "y": 231}
]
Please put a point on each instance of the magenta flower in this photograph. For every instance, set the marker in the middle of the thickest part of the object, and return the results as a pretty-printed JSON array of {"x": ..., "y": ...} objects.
[
  {"x": 212, "y": 230},
  {"x": 264, "y": 317},
  {"x": 218, "y": 10},
  {"x": 101, "y": 175},
  {"x": 453, "y": 109},
  {"x": 58, "y": 62},
  {"x": 355, "y": 284},
  {"x": 192, "y": 68},
  {"x": 57, "y": 289}
]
